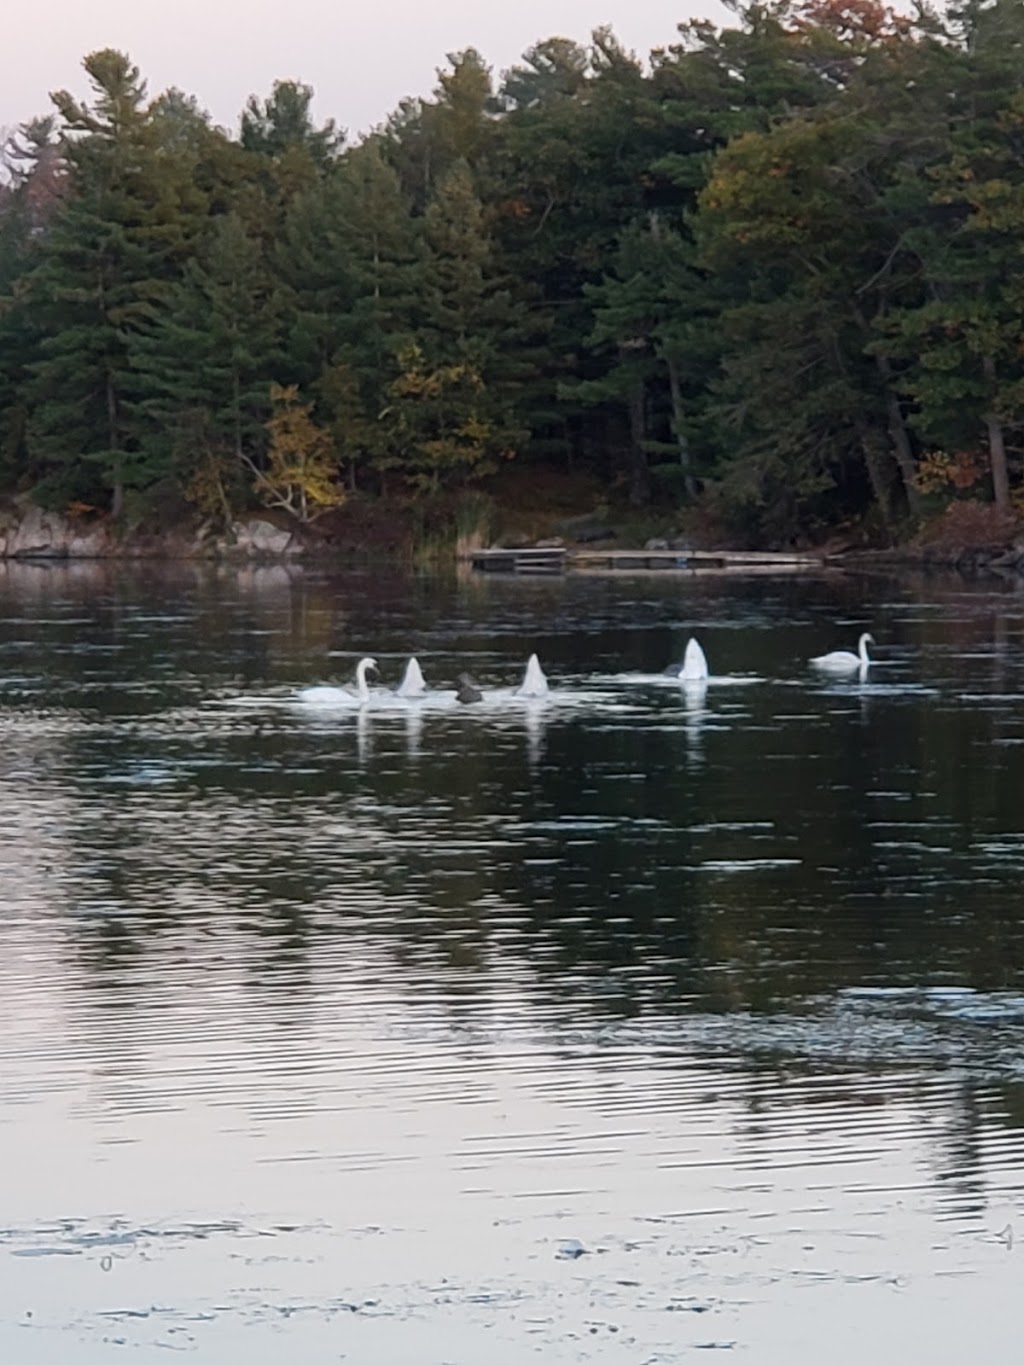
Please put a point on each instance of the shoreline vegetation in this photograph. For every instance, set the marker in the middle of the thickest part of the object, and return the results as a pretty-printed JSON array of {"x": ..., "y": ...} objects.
[
  {"x": 763, "y": 289},
  {"x": 31, "y": 534}
]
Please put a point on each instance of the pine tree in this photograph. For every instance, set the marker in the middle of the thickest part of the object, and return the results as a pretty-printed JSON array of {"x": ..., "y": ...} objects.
[
  {"x": 425, "y": 138},
  {"x": 574, "y": 159},
  {"x": 553, "y": 70},
  {"x": 116, "y": 242},
  {"x": 282, "y": 123},
  {"x": 355, "y": 274},
  {"x": 472, "y": 348},
  {"x": 646, "y": 332},
  {"x": 204, "y": 361},
  {"x": 31, "y": 161}
]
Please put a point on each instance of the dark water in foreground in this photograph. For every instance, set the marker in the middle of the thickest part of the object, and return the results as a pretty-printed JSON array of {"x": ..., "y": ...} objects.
[{"x": 604, "y": 1028}]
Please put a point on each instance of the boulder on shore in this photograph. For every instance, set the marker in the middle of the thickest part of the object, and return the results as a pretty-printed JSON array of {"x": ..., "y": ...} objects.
[
  {"x": 28, "y": 531},
  {"x": 37, "y": 533},
  {"x": 261, "y": 538}
]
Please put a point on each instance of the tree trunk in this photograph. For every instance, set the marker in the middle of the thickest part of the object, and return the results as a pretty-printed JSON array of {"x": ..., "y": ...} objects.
[
  {"x": 639, "y": 474},
  {"x": 997, "y": 459},
  {"x": 236, "y": 411},
  {"x": 874, "y": 459},
  {"x": 678, "y": 415},
  {"x": 902, "y": 450},
  {"x": 898, "y": 434},
  {"x": 225, "y": 506},
  {"x": 997, "y": 447},
  {"x": 114, "y": 437}
]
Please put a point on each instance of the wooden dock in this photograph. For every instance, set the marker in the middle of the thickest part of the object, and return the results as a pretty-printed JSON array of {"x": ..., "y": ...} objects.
[
  {"x": 690, "y": 561},
  {"x": 535, "y": 559},
  {"x": 582, "y": 559}
]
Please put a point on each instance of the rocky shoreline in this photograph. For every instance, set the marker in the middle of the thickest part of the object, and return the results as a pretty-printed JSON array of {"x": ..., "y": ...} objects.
[
  {"x": 968, "y": 560},
  {"x": 29, "y": 532},
  {"x": 36, "y": 533}
]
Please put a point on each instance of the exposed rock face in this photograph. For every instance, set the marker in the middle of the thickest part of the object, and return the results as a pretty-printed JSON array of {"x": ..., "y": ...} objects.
[
  {"x": 262, "y": 538},
  {"x": 36, "y": 532},
  {"x": 31, "y": 532}
]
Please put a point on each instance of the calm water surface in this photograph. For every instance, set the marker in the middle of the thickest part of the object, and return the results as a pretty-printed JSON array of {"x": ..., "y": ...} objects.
[{"x": 603, "y": 1028}]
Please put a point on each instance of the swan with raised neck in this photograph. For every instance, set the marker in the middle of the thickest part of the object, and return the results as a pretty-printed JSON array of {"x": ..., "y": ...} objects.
[
  {"x": 362, "y": 668},
  {"x": 844, "y": 660}
]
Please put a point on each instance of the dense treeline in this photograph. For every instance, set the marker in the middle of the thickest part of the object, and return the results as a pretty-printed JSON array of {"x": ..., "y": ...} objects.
[{"x": 775, "y": 275}]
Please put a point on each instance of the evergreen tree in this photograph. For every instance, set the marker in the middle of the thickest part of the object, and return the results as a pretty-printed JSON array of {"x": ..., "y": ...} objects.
[
  {"x": 472, "y": 328},
  {"x": 424, "y": 139},
  {"x": 355, "y": 272},
  {"x": 574, "y": 171},
  {"x": 647, "y": 331},
  {"x": 960, "y": 345},
  {"x": 283, "y": 123},
  {"x": 34, "y": 183},
  {"x": 806, "y": 227},
  {"x": 555, "y": 69},
  {"x": 776, "y": 271},
  {"x": 205, "y": 360},
  {"x": 116, "y": 242}
]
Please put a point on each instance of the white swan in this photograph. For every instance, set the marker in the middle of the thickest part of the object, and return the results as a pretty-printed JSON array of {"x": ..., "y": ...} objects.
[
  {"x": 534, "y": 683},
  {"x": 413, "y": 683},
  {"x": 695, "y": 664},
  {"x": 844, "y": 660},
  {"x": 342, "y": 696}
]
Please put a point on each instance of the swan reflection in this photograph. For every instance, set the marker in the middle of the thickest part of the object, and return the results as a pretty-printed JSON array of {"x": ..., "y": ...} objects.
[
  {"x": 364, "y": 736},
  {"x": 695, "y": 693},
  {"x": 413, "y": 732},
  {"x": 535, "y": 725}
]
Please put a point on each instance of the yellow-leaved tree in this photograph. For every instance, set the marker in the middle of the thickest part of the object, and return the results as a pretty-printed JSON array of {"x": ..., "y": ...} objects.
[
  {"x": 436, "y": 418},
  {"x": 301, "y": 472}
]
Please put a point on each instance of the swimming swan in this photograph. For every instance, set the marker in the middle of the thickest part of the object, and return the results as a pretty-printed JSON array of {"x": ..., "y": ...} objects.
[
  {"x": 342, "y": 696},
  {"x": 534, "y": 683},
  {"x": 843, "y": 661},
  {"x": 695, "y": 664},
  {"x": 413, "y": 683}
]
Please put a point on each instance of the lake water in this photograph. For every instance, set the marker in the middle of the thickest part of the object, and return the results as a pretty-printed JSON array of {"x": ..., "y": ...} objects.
[{"x": 600, "y": 1028}]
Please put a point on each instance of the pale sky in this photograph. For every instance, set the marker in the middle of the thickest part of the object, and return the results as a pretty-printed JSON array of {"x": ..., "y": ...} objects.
[{"x": 361, "y": 59}]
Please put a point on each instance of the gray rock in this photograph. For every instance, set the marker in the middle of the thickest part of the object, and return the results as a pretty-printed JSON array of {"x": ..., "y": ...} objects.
[
  {"x": 39, "y": 532},
  {"x": 261, "y": 538},
  {"x": 87, "y": 544}
]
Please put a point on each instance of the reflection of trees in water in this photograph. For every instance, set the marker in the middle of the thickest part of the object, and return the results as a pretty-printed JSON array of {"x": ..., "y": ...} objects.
[
  {"x": 594, "y": 865},
  {"x": 851, "y": 1117},
  {"x": 957, "y": 1150},
  {"x": 627, "y": 869}
]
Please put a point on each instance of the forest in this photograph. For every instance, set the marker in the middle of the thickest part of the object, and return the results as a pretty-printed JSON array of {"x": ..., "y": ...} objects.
[{"x": 770, "y": 278}]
